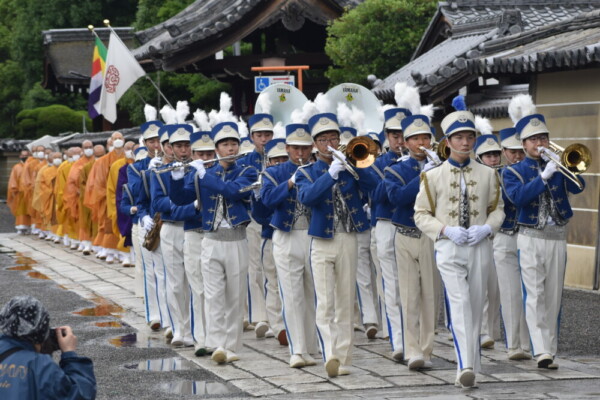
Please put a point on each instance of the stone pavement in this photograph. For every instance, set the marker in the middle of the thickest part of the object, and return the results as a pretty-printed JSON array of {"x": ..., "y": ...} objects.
[{"x": 263, "y": 367}]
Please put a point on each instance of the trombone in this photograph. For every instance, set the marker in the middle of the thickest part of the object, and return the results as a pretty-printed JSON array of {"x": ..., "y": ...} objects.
[
  {"x": 573, "y": 160},
  {"x": 360, "y": 152},
  {"x": 186, "y": 164}
]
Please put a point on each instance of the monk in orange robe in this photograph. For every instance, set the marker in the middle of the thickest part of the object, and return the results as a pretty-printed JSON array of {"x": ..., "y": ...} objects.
[
  {"x": 65, "y": 224},
  {"x": 26, "y": 185},
  {"x": 43, "y": 199},
  {"x": 111, "y": 202},
  {"x": 14, "y": 197},
  {"x": 95, "y": 195},
  {"x": 88, "y": 227}
]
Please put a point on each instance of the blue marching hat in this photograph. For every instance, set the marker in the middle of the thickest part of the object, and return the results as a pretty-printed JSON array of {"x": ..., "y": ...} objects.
[
  {"x": 246, "y": 145},
  {"x": 201, "y": 141},
  {"x": 276, "y": 148},
  {"x": 163, "y": 133},
  {"x": 416, "y": 125},
  {"x": 179, "y": 133},
  {"x": 393, "y": 118},
  {"x": 485, "y": 144},
  {"x": 531, "y": 125},
  {"x": 225, "y": 130},
  {"x": 298, "y": 135},
  {"x": 324, "y": 122},
  {"x": 346, "y": 134},
  {"x": 140, "y": 153},
  {"x": 150, "y": 129},
  {"x": 260, "y": 122},
  {"x": 509, "y": 140},
  {"x": 459, "y": 120}
]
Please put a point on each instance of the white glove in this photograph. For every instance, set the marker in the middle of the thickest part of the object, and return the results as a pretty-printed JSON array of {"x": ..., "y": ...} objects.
[
  {"x": 477, "y": 233},
  {"x": 337, "y": 153},
  {"x": 549, "y": 170},
  {"x": 457, "y": 234},
  {"x": 179, "y": 172},
  {"x": 147, "y": 223},
  {"x": 256, "y": 192},
  {"x": 335, "y": 168},
  {"x": 404, "y": 158},
  {"x": 429, "y": 165},
  {"x": 155, "y": 162},
  {"x": 367, "y": 211},
  {"x": 196, "y": 204},
  {"x": 293, "y": 178},
  {"x": 199, "y": 165}
]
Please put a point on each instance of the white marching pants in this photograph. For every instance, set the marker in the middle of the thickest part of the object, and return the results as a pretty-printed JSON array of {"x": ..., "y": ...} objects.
[
  {"x": 385, "y": 232},
  {"x": 139, "y": 268},
  {"x": 490, "y": 324},
  {"x": 192, "y": 259},
  {"x": 224, "y": 270},
  {"x": 256, "y": 307},
  {"x": 333, "y": 264},
  {"x": 364, "y": 282},
  {"x": 464, "y": 271},
  {"x": 511, "y": 295},
  {"x": 543, "y": 264},
  {"x": 271, "y": 287},
  {"x": 177, "y": 287},
  {"x": 417, "y": 294},
  {"x": 154, "y": 283},
  {"x": 291, "y": 255},
  {"x": 378, "y": 282}
]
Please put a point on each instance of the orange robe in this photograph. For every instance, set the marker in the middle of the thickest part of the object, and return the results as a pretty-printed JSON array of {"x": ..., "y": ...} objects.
[
  {"x": 43, "y": 200},
  {"x": 65, "y": 225},
  {"x": 26, "y": 184},
  {"x": 71, "y": 195},
  {"x": 14, "y": 197},
  {"x": 111, "y": 199},
  {"x": 88, "y": 228},
  {"x": 95, "y": 197}
]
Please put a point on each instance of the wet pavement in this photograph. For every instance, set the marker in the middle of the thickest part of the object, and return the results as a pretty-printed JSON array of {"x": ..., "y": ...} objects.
[{"x": 133, "y": 362}]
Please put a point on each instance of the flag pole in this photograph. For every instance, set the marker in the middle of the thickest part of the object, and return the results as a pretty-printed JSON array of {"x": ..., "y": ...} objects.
[{"x": 107, "y": 23}]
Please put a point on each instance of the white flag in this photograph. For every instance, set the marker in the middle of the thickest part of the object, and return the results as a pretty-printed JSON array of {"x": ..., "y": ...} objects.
[{"x": 122, "y": 70}]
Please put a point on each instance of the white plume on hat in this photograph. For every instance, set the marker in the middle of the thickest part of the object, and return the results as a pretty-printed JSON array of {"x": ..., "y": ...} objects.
[
  {"x": 520, "y": 106},
  {"x": 224, "y": 114},
  {"x": 310, "y": 108},
  {"x": 382, "y": 109},
  {"x": 150, "y": 112},
  {"x": 242, "y": 128},
  {"x": 168, "y": 114},
  {"x": 182, "y": 110},
  {"x": 201, "y": 119},
  {"x": 279, "y": 131},
  {"x": 407, "y": 97},
  {"x": 483, "y": 125},
  {"x": 141, "y": 139},
  {"x": 265, "y": 104},
  {"x": 427, "y": 110},
  {"x": 358, "y": 120},
  {"x": 344, "y": 115}
]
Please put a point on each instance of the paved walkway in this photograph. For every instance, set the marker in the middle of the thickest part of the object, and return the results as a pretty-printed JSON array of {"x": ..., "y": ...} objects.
[{"x": 263, "y": 367}]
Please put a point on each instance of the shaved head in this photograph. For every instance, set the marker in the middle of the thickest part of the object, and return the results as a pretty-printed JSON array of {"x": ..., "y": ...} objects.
[
  {"x": 99, "y": 150},
  {"x": 87, "y": 144},
  {"x": 116, "y": 135},
  {"x": 109, "y": 142},
  {"x": 70, "y": 151},
  {"x": 129, "y": 145},
  {"x": 54, "y": 155}
]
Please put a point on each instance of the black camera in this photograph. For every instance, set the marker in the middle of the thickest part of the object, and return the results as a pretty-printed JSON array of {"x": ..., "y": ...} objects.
[{"x": 50, "y": 345}]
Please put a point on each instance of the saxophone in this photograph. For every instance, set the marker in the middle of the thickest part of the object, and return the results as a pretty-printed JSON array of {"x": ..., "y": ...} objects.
[{"x": 152, "y": 238}]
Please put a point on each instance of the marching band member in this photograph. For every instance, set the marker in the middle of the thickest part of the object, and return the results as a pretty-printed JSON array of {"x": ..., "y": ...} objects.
[
  {"x": 414, "y": 250},
  {"x": 337, "y": 214},
  {"x": 541, "y": 196},
  {"x": 507, "y": 263},
  {"x": 487, "y": 152},
  {"x": 290, "y": 246},
  {"x": 261, "y": 132},
  {"x": 384, "y": 232},
  {"x": 172, "y": 235},
  {"x": 459, "y": 207},
  {"x": 224, "y": 247}
]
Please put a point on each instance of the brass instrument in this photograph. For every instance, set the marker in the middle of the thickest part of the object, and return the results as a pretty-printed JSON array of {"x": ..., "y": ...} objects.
[
  {"x": 360, "y": 152},
  {"x": 152, "y": 238},
  {"x": 252, "y": 186},
  {"x": 440, "y": 149},
  {"x": 573, "y": 160},
  {"x": 187, "y": 163}
]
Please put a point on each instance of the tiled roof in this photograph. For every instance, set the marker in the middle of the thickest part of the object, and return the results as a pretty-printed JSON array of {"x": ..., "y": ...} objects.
[
  {"x": 13, "y": 145},
  {"x": 100, "y": 137},
  {"x": 492, "y": 102}
]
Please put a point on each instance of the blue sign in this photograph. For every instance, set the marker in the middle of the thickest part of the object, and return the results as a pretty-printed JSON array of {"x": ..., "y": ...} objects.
[{"x": 261, "y": 83}]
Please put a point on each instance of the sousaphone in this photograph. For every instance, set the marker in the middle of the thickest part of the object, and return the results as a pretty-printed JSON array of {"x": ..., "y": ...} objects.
[{"x": 284, "y": 99}]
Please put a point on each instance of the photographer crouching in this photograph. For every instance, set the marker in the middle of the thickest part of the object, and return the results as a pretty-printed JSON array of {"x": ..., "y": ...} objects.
[{"x": 27, "y": 373}]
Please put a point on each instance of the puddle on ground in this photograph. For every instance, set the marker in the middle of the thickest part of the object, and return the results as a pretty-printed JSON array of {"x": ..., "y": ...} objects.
[
  {"x": 21, "y": 259},
  {"x": 20, "y": 268},
  {"x": 194, "y": 387},
  {"x": 37, "y": 275},
  {"x": 163, "y": 365},
  {"x": 109, "y": 324},
  {"x": 138, "y": 340},
  {"x": 103, "y": 309}
]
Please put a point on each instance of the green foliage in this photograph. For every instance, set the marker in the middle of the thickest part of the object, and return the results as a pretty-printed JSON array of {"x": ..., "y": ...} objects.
[
  {"x": 37, "y": 122},
  {"x": 377, "y": 37},
  {"x": 153, "y": 12}
]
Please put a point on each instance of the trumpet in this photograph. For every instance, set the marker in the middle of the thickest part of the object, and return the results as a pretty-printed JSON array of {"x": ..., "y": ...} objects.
[
  {"x": 573, "y": 160},
  {"x": 186, "y": 164},
  {"x": 441, "y": 150},
  {"x": 360, "y": 152}
]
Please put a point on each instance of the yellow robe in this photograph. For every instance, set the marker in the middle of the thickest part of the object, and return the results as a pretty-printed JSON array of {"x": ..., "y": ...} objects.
[
  {"x": 88, "y": 228},
  {"x": 72, "y": 193},
  {"x": 43, "y": 200},
  {"x": 14, "y": 197},
  {"x": 65, "y": 225},
  {"x": 111, "y": 199}
]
